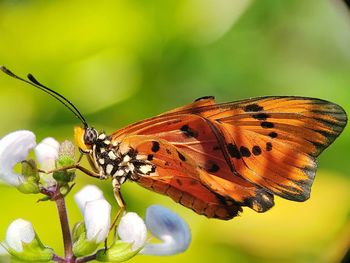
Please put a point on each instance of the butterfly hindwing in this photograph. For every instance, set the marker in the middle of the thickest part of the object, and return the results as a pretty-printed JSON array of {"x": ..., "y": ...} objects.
[{"x": 176, "y": 175}]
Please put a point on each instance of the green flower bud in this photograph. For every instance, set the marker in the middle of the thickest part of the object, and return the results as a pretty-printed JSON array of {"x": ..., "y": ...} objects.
[
  {"x": 66, "y": 154},
  {"x": 66, "y": 157}
]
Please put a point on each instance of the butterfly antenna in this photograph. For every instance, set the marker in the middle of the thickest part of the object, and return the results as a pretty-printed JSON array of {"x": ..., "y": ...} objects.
[{"x": 32, "y": 81}]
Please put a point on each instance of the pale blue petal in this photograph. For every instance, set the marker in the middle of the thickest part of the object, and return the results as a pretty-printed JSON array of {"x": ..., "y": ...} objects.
[{"x": 168, "y": 227}]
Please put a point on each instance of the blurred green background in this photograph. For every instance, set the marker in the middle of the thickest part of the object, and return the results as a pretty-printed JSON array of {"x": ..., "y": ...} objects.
[{"x": 122, "y": 61}]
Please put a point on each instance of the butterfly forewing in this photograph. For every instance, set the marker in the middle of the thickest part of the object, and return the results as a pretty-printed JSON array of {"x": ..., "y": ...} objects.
[{"x": 242, "y": 151}]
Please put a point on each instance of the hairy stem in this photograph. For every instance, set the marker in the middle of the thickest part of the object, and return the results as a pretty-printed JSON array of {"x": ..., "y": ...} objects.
[{"x": 67, "y": 237}]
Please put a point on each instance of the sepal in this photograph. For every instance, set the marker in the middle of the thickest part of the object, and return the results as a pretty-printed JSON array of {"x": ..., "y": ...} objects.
[
  {"x": 119, "y": 252},
  {"x": 30, "y": 184},
  {"x": 81, "y": 245}
]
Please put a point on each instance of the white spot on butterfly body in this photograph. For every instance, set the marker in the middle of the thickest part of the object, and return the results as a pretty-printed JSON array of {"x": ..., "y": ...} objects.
[
  {"x": 109, "y": 168},
  {"x": 107, "y": 142},
  {"x": 101, "y": 161},
  {"x": 126, "y": 158},
  {"x": 111, "y": 155},
  {"x": 120, "y": 173},
  {"x": 102, "y": 136}
]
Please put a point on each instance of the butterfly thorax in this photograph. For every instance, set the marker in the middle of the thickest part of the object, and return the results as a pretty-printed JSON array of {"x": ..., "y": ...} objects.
[{"x": 120, "y": 165}]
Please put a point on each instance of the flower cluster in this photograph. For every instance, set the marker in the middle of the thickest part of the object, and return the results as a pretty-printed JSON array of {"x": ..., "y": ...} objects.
[{"x": 87, "y": 241}]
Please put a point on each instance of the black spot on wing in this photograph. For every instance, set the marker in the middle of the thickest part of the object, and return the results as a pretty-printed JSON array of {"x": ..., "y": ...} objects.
[
  {"x": 150, "y": 157},
  {"x": 267, "y": 124},
  {"x": 273, "y": 134},
  {"x": 181, "y": 156},
  {"x": 268, "y": 146},
  {"x": 213, "y": 167},
  {"x": 244, "y": 151},
  {"x": 155, "y": 146},
  {"x": 233, "y": 151},
  {"x": 256, "y": 150},
  {"x": 189, "y": 132},
  {"x": 260, "y": 116},
  {"x": 253, "y": 108}
]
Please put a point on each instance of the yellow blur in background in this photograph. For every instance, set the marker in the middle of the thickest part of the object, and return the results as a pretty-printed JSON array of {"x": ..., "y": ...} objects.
[{"x": 123, "y": 61}]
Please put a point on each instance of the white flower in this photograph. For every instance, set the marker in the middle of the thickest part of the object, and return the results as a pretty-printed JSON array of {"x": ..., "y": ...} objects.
[
  {"x": 19, "y": 231},
  {"x": 14, "y": 148},
  {"x": 88, "y": 193},
  {"x": 23, "y": 243},
  {"x": 96, "y": 211},
  {"x": 132, "y": 229},
  {"x": 163, "y": 224},
  {"x": 97, "y": 220}
]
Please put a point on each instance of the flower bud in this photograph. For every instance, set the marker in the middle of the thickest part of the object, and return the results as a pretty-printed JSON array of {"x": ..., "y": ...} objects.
[
  {"x": 66, "y": 157},
  {"x": 23, "y": 243},
  {"x": 66, "y": 154},
  {"x": 88, "y": 193},
  {"x": 132, "y": 229},
  {"x": 47, "y": 153},
  {"x": 133, "y": 233},
  {"x": 96, "y": 211}
]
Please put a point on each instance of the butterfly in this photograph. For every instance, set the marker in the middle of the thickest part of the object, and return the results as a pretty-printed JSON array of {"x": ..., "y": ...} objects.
[{"x": 216, "y": 158}]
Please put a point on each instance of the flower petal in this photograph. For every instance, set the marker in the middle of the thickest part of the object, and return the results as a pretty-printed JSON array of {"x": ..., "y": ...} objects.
[
  {"x": 46, "y": 153},
  {"x": 14, "y": 148},
  {"x": 132, "y": 229},
  {"x": 88, "y": 193},
  {"x": 19, "y": 231},
  {"x": 97, "y": 220},
  {"x": 168, "y": 227}
]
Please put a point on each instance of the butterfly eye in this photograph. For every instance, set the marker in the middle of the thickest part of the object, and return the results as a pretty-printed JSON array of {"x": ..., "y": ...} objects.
[{"x": 90, "y": 136}]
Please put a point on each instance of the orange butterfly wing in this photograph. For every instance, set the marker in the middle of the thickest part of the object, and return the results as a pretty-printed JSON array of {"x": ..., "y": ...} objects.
[
  {"x": 246, "y": 151},
  {"x": 177, "y": 175}
]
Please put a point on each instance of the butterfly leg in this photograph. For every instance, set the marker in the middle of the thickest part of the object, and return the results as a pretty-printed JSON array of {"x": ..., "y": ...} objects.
[
  {"x": 121, "y": 203},
  {"x": 74, "y": 166}
]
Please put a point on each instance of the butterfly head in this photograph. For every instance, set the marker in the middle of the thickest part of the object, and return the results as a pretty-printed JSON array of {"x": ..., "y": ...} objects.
[{"x": 85, "y": 138}]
